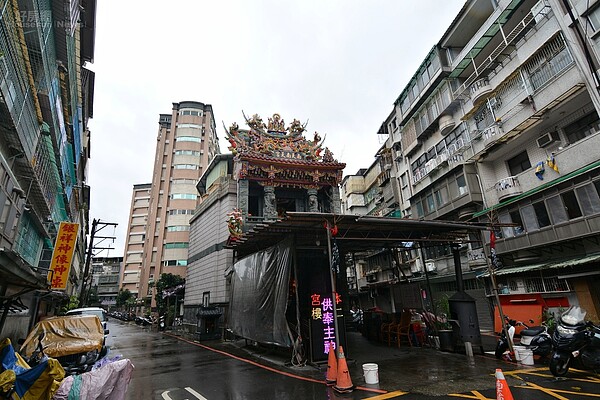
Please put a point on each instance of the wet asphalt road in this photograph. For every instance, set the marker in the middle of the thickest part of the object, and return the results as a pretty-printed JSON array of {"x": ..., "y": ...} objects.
[{"x": 168, "y": 368}]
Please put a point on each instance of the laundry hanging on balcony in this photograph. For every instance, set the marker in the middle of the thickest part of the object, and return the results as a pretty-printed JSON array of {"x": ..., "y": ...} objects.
[
  {"x": 551, "y": 161},
  {"x": 539, "y": 170}
]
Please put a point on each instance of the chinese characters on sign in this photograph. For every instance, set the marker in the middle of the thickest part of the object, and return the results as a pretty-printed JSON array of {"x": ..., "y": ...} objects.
[
  {"x": 322, "y": 324},
  {"x": 63, "y": 254}
]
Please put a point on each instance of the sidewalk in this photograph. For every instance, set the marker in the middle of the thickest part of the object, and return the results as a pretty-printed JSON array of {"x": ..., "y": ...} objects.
[{"x": 411, "y": 369}]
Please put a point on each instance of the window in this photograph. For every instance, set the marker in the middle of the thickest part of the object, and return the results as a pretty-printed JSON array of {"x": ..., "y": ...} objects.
[
  {"x": 430, "y": 203},
  {"x": 186, "y": 166},
  {"x": 519, "y": 163},
  {"x": 557, "y": 210},
  {"x": 187, "y": 153},
  {"x": 582, "y": 128},
  {"x": 190, "y": 112},
  {"x": 184, "y": 196},
  {"x": 571, "y": 204},
  {"x": 420, "y": 212},
  {"x": 188, "y": 139},
  {"x": 181, "y": 212},
  {"x": 177, "y": 245},
  {"x": 178, "y": 228},
  {"x": 194, "y": 126},
  {"x": 175, "y": 263},
  {"x": 515, "y": 218},
  {"x": 441, "y": 196},
  {"x": 461, "y": 183},
  {"x": 589, "y": 198},
  {"x": 535, "y": 216},
  {"x": 541, "y": 214}
]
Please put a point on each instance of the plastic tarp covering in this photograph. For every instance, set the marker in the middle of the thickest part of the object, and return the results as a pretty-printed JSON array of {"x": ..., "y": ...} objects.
[
  {"x": 109, "y": 382},
  {"x": 65, "y": 336},
  {"x": 36, "y": 383},
  {"x": 259, "y": 294}
]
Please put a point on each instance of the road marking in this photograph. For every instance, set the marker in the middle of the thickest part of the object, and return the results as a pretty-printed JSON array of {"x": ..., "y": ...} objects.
[
  {"x": 554, "y": 392},
  {"x": 165, "y": 395},
  {"x": 256, "y": 364},
  {"x": 476, "y": 396},
  {"x": 589, "y": 379},
  {"x": 550, "y": 392},
  {"x": 389, "y": 395},
  {"x": 196, "y": 394}
]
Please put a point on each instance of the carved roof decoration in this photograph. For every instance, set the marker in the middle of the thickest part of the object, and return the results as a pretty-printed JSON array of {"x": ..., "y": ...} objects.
[
  {"x": 274, "y": 154},
  {"x": 275, "y": 140}
]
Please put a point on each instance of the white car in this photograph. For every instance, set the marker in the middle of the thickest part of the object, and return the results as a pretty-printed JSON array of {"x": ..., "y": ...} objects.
[{"x": 97, "y": 311}]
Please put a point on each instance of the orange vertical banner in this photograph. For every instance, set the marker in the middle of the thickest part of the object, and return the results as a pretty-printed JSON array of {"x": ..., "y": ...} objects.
[{"x": 62, "y": 256}]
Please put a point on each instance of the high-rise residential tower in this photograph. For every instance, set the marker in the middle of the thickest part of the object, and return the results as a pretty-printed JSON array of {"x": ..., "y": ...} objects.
[
  {"x": 186, "y": 142},
  {"x": 136, "y": 236}
]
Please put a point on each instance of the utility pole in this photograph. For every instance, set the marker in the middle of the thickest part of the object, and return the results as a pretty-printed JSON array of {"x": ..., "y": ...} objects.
[{"x": 90, "y": 253}]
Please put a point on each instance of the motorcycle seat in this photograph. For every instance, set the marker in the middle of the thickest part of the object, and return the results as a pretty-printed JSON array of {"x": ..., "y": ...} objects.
[{"x": 533, "y": 331}]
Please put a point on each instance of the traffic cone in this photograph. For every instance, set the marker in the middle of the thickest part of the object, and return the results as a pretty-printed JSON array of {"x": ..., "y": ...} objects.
[
  {"x": 332, "y": 369},
  {"x": 343, "y": 383},
  {"x": 502, "y": 389}
]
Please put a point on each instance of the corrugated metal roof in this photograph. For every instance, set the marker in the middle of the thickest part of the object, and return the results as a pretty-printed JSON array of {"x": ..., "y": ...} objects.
[
  {"x": 547, "y": 265},
  {"x": 355, "y": 233}
]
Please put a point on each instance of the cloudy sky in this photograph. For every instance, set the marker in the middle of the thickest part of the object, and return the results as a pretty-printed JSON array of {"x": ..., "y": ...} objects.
[{"x": 338, "y": 64}]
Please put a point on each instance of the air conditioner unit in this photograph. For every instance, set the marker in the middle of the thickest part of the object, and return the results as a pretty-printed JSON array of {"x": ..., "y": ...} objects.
[{"x": 547, "y": 139}]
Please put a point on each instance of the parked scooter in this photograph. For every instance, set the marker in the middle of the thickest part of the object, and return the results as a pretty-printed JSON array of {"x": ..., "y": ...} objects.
[
  {"x": 535, "y": 338},
  {"x": 574, "y": 338}
]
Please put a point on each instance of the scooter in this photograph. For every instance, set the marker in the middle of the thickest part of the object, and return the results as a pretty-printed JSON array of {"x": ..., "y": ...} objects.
[
  {"x": 573, "y": 339},
  {"x": 535, "y": 338}
]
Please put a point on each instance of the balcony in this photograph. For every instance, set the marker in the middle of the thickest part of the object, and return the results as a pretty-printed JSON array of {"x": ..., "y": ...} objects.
[
  {"x": 479, "y": 89},
  {"x": 491, "y": 134},
  {"x": 446, "y": 124},
  {"x": 508, "y": 187}
]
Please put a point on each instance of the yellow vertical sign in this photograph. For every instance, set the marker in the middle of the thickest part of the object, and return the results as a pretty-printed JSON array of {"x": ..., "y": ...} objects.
[{"x": 62, "y": 256}]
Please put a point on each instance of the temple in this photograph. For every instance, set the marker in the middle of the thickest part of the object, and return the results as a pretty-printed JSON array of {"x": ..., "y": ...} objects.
[{"x": 279, "y": 170}]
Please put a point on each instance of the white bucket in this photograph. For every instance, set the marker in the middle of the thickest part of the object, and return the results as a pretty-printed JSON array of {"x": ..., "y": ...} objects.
[
  {"x": 526, "y": 357},
  {"x": 371, "y": 372},
  {"x": 518, "y": 350}
]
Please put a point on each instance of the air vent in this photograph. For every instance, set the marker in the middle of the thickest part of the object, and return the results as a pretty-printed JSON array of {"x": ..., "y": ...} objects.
[{"x": 547, "y": 139}]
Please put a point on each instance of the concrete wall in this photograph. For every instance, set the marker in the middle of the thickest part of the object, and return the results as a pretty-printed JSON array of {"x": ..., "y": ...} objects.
[{"x": 207, "y": 259}]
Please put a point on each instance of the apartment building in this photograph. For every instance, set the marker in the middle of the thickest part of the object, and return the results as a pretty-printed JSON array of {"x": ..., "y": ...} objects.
[
  {"x": 186, "y": 142},
  {"x": 46, "y": 99},
  {"x": 499, "y": 125},
  {"x": 106, "y": 272},
  {"x": 135, "y": 239}
]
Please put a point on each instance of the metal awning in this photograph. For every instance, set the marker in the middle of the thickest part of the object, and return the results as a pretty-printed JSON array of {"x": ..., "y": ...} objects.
[
  {"x": 209, "y": 312},
  {"x": 354, "y": 233},
  {"x": 572, "y": 262}
]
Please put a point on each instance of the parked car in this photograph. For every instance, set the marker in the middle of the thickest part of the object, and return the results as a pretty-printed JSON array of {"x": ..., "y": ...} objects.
[
  {"x": 97, "y": 311},
  {"x": 76, "y": 341}
]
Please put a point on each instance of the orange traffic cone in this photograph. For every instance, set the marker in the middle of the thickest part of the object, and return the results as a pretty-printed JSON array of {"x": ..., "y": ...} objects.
[
  {"x": 502, "y": 389},
  {"x": 343, "y": 383},
  {"x": 331, "y": 367}
]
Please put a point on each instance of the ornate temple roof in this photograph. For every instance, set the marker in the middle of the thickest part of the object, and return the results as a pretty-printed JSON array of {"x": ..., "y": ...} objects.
[{"x": 280, "y": 155}]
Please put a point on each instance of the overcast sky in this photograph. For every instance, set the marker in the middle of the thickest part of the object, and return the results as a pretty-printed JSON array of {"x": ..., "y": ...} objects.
[{"x": 337, "y": 64}]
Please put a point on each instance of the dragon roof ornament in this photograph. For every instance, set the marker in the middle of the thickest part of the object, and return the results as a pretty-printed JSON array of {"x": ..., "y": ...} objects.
[{"x": 273, "y": 139}]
